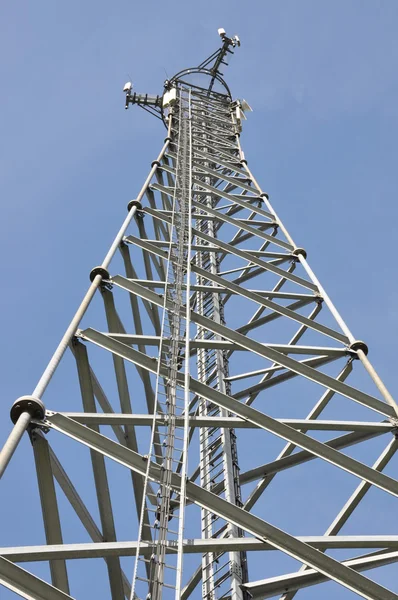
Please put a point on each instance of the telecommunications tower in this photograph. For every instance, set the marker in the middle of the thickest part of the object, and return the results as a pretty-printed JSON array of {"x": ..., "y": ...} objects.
[{"x": 203, "y": 440}]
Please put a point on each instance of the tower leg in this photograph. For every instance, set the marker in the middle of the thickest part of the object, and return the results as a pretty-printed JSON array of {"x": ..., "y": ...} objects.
[{"x": 13, "y": 440}]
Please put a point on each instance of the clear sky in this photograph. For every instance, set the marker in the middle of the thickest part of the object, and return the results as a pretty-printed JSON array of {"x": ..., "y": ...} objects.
[{"x": 322, "y": 80}]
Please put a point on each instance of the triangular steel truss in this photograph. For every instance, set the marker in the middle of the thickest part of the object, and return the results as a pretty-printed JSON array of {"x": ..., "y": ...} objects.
[{"x": 218, "y": 330}]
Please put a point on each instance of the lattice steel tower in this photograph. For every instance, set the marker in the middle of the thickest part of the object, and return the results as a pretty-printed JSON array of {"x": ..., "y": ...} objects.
[{"x": 218, "y": 335}]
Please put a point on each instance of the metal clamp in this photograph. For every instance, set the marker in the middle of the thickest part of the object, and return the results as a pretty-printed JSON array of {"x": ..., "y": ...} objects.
[
  {"x": 29, "y": 404},
  {"x": 299, "y": 252},
  {"x": 99, "y": 271},
  {"x": 359, "y": 345},
  {"x": 134, "y": 203}
]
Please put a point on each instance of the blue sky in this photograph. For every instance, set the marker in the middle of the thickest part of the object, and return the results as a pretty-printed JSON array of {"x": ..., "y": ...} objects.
[{"x": 322, "y": 140}]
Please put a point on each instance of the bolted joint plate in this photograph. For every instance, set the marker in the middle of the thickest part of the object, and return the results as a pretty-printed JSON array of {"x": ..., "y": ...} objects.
[
  {"x": 29, "y": 404},
  {"x": 134, "y": 203},
  {"x": 359, "y": 345},
  {"x": 99, "y": 271},
  {"x": 299, "y": 252}
]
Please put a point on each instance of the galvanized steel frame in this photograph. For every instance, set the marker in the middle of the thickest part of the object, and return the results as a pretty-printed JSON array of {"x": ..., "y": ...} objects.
[{"x": 219, "y": 173}]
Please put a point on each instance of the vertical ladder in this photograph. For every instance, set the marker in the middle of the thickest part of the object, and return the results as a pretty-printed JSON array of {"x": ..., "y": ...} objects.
[
  {"x": 222, "y": 575},
  {"x": 159, "y": 575}
]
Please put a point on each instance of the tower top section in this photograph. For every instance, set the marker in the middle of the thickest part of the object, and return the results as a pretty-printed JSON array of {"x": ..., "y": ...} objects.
[{"x": 203, "y": 77}]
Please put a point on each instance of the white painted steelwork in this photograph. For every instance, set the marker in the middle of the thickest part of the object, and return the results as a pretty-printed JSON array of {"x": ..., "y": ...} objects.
[{"x": 205, "y": 361}]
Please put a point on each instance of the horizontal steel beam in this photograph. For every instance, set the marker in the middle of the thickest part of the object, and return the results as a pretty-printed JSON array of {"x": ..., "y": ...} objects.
[
  {"x": 259, "y": 528},
  {"x": 295, "y": 366},
  {"x": 268, "y": 588},
  {"x": 313, "y": 446},
  {"x": 152, "y": 283},
  {"x": 154, "y": 340},
  {"x": 191, "y": 546},
  {"x": 237, "y": 199},
  {"x": 267, "y": 266},
  {"x": 264, "y": 421},
  {"x": 267, "y": 352},
  {"x": 229, "y": 422},
  {"x": 270, "y": 305}
]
